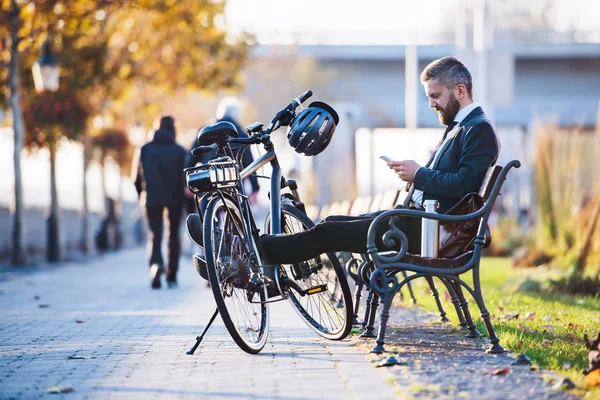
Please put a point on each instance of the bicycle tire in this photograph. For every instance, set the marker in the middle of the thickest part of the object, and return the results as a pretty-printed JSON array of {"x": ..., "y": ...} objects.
[
  {"x": 328, "y": 313},
  {"x": 229, "y": 270}
]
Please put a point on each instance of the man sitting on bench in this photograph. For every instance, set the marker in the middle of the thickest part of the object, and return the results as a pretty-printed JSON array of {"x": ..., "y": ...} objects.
[{"x": 457, "y": 167}]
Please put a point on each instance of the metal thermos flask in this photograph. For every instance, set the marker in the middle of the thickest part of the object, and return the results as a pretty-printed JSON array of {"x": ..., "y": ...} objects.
[{"x": 430, "y": 234}]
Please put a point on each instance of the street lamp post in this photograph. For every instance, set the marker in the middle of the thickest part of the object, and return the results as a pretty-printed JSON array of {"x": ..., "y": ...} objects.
[{"x": 46, "y": 74}]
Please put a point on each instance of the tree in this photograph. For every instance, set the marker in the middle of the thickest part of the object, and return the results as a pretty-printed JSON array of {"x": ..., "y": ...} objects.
[
  {"x": 24, "y": 25},
  {"x": 49, "y": 117},
  {"x": 115, "y": 144},
  {"x": 109, "y": 50}
]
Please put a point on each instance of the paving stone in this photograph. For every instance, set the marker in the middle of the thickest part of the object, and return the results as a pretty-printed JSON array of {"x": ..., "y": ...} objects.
[{"x": 134, "y": 341}]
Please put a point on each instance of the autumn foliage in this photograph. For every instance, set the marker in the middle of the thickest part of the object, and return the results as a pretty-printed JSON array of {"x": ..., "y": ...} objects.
[{"x": 52, "y": 115}]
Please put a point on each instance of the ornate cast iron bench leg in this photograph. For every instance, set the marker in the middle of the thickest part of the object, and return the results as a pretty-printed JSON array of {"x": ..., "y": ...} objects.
[
  {"x": 464, "y": 305},
  {"x": 436, "y": 295},
  {"x": 370, "y": 327},
  {"x": 412, "y": 295},
  {"x": 357, "y": 297},
  {"x": 496, "y": 348},
  {"x": 386, "y": 287},
  {"x": 359, "y": 284},
  {"x": 367, "y": 308},
  {"x": 455, "y": 302}
]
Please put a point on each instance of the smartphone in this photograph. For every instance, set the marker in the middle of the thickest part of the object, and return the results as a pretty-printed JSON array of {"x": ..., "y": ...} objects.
[{"x": 385, "y": 158}]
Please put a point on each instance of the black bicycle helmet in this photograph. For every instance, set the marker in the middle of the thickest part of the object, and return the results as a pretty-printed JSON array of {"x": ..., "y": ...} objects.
[{"x": 312, "y": 129}]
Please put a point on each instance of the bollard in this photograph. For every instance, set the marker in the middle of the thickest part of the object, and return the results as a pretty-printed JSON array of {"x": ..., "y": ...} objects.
[{"x": 430, "y": 234}]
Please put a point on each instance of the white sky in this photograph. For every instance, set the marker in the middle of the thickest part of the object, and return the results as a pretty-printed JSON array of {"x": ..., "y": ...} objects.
[{"x": 275, "y": 21}]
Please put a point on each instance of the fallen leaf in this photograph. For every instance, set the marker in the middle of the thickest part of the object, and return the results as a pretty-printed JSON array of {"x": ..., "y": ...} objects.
[
  {"x": 511, "y": 315},
  {"x": 522, "y": 359},
  {"x": 391, "y": 361},
  {"x": 499, "y": 308},
  {"x": 547, "y": 318},
  {"x": 564, "y": 384},
  {"x": 572, "y": 325},
  {"x": 36, "y": 298},
  {"x": 529, "y": 316},
  {"x": 548, "y": 342},
  {"x": 497, "y": 371},
  {"x": 525, "y": 328},
  {"x": 43, "y": 305},
  {"x": 566, "y": 365},
  {"x": 59, "y": 389},
  {"x": 79, "y": 321}
]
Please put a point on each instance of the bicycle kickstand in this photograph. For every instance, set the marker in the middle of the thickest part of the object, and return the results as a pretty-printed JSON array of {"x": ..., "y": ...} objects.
[{"x": 199, "y": 338}]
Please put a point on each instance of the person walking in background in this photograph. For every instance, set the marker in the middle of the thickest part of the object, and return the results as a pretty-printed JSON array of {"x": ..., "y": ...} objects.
[
  {"x": 230, "y": 109},
  {"x": 160, "y": 179}
]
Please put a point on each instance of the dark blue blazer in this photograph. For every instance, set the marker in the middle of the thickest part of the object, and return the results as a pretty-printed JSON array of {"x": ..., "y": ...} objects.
[{"x": 463, "y": 162}]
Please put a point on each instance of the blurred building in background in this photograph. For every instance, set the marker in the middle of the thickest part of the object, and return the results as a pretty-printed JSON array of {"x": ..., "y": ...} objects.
[{"x": 523, "y": 69}]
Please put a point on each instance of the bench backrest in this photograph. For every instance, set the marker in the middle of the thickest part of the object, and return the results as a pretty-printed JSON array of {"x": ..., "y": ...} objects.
[{"x": 489, "y": 181}]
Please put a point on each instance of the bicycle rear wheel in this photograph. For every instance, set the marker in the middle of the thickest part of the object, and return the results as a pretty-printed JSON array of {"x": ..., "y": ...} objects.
[
  {"x": 328, "y": 310},
  {"x": 230, "y": 269}
]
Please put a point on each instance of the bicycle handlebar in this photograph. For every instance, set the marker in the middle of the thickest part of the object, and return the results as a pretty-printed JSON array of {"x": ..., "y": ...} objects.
[
  {"x": 301, "y": 99},
  {"x": 285, "y": 116}
]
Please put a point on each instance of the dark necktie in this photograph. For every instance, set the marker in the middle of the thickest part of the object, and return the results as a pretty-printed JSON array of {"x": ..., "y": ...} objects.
[{"x": 410, "y": 188}]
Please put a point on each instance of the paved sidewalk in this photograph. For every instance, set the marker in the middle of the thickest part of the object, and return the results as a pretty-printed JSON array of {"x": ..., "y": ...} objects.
[{"x": 98, "y": 328}]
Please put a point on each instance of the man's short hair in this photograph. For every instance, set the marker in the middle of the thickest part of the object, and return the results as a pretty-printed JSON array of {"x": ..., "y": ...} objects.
[{"x": 450, "y": 72}]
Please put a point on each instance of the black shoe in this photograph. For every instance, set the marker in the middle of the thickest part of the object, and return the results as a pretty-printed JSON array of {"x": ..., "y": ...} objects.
[
  {"x": 172, "y": 284},
  {"x": 194, "y": 229},
  {"x": 155, "y": 272}
]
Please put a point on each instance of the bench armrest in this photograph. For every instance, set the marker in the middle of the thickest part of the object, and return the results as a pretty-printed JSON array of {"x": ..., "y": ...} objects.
[{"x": 394, "y": 234}]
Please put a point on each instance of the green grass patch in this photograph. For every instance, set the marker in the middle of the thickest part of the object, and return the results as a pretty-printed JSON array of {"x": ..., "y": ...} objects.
[{"x": 549, "y": 327}]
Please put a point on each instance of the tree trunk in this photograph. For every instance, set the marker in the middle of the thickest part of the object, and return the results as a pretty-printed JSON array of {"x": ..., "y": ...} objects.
[
  {"x": 85, "y": 214},
  {"x": 18, "y": 251},
  {"x": 53, "y": 250}
]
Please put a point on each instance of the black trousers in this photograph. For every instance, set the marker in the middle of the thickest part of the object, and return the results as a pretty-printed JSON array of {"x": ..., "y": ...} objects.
[
  {"x": 155, "y": 221},
  {"x": 335, "y": 233}
]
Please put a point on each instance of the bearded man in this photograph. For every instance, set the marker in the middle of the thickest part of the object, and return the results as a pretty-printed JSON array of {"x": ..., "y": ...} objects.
[{"x": 468, "y": 147}]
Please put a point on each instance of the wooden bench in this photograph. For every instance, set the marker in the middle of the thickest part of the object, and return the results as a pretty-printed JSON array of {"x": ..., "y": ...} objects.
[{"x": 381, "y": 275}]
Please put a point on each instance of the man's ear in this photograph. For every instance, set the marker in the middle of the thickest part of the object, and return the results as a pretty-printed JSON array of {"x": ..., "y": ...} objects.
[{"x": 460, "y": 91}]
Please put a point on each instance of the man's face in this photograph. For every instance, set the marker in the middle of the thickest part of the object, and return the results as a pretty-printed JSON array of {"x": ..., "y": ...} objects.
[{"x": 442, "y": 100}]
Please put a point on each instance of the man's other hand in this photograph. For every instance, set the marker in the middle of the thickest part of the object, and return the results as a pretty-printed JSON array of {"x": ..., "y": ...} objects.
[{"x": 405, "y": 169}]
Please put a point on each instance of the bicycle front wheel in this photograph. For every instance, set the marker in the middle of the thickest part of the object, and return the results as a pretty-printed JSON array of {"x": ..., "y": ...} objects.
[
  {"x": 326, "y": 302},
  {"x": 230, "y": 269}
]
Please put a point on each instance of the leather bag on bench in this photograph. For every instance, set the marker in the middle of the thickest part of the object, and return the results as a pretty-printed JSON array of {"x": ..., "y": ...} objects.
[{"x": 457, "y": 237}]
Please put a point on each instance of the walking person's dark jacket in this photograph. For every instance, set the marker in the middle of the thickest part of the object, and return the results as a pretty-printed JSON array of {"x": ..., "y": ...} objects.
[{"x": 160, "y": 170}]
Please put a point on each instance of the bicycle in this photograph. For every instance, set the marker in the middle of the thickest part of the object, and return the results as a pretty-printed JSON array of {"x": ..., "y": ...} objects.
[{"x": 242, "y": 284}]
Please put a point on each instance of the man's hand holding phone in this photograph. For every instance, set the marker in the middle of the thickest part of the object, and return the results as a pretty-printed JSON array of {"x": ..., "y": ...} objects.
[{"x": 405, "y": 169}]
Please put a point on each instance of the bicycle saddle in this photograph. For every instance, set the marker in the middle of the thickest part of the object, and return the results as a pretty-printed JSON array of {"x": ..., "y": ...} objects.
[{"x": 217, "y": 133}]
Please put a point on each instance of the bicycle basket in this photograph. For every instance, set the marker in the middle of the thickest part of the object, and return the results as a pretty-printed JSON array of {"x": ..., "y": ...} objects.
[{"x": 217, "y": 174}]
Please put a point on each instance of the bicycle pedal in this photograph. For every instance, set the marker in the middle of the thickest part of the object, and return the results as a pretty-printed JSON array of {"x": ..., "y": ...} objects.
[{"x": 316, "y": 289}]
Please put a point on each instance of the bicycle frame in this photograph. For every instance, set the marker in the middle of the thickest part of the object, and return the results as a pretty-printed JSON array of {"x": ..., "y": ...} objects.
[{"x": 263, "y": 137}]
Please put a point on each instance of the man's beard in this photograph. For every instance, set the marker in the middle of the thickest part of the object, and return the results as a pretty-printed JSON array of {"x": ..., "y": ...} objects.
[{"x": 447, "y": 114}]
